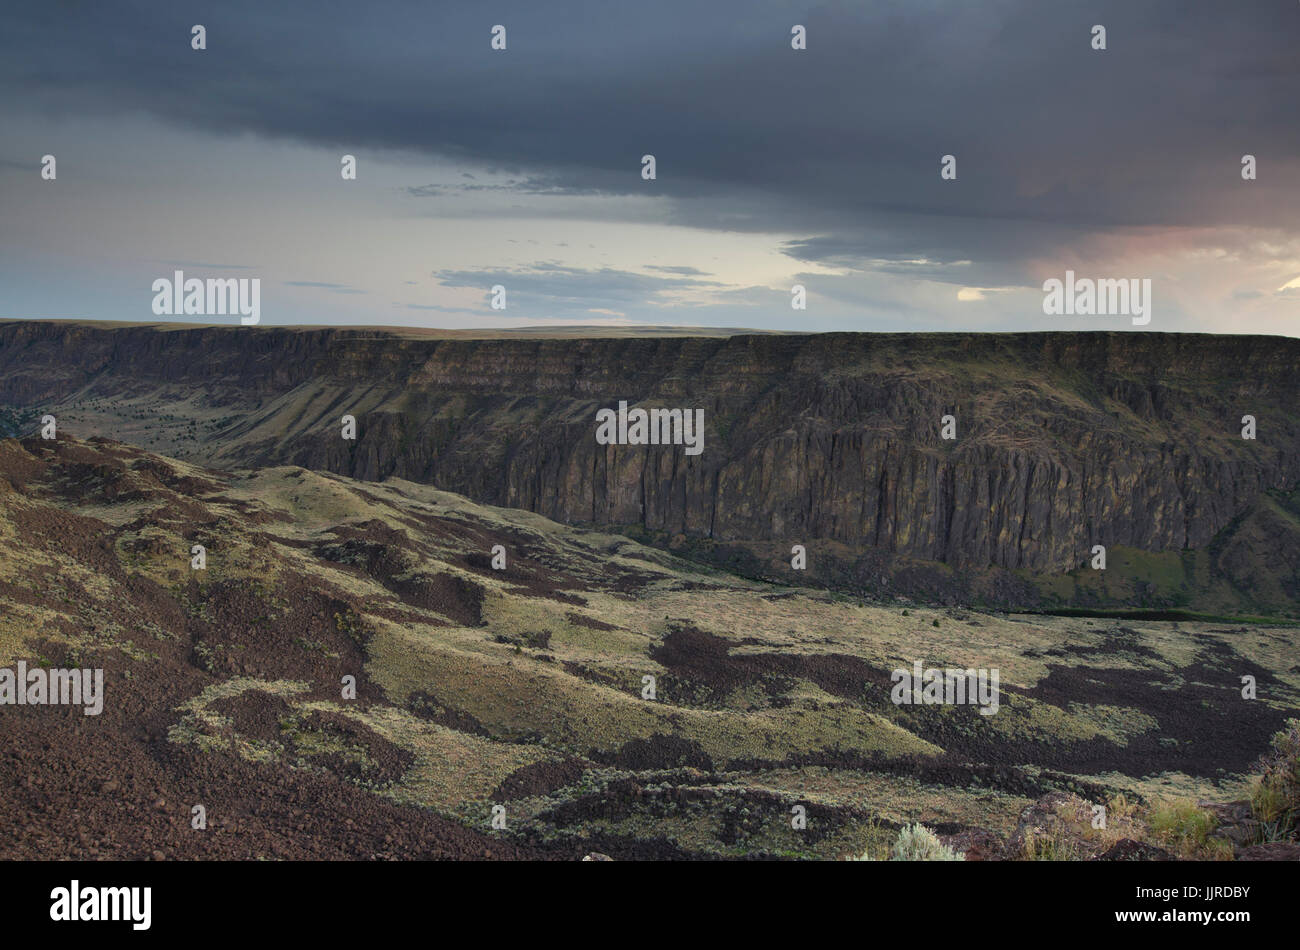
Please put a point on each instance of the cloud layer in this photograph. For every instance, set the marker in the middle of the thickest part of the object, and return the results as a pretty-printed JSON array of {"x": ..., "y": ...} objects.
[{"x": 1067, "y": 157}]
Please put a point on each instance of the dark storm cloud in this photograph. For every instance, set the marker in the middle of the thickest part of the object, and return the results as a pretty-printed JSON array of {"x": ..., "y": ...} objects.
[{"x": 1053, "y": 139}]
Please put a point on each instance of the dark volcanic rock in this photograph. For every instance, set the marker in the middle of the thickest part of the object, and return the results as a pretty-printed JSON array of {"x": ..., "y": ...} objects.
[
  {"x": 1126, "y": 849},
  {"x": 1272, "y": 851}
]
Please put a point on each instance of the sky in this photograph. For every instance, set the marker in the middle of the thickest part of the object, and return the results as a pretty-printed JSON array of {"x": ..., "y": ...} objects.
[{"x": 774, "y": 166}]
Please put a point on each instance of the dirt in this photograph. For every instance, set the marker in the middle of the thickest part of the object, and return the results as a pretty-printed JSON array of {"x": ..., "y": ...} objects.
[
  {"x": 1204, "y": 725},
  {"x": 255, "y": 713},
  {"x": 1126, "y": 849},
  {"x": 578, "y": 620},
  {"x": 660, "y": 751},
  {"x": 113, "y": 787},
  {"x": 375, "y": 760},
  {"x": 540, "y": 778},
  {"x": 389, "y": 557},
  {"x": 707, "y": 661},
  {"x": 427, "y": 706}
]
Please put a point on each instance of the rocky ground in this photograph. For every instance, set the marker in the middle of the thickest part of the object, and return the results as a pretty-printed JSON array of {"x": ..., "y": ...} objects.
[{"x": 517, "y": 692}]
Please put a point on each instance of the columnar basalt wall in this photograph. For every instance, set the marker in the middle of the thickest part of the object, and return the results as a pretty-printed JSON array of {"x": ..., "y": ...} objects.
[{"x": 1063, "y": 439}]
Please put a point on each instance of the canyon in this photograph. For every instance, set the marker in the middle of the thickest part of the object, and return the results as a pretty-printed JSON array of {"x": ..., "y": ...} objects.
[{"x": 1064, "y": 440}]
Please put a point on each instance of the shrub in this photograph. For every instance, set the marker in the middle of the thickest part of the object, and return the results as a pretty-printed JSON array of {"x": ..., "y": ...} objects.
[
  {"x": 1183, "y": 826},
  {"x": 1275, "y": 799},
  {"x": 1042, "y": 846},
  {"x": 877, "y": 836},
  {"x": 919, "y": 843},
  {"x": 1120, "y": 808},
  {"x": 1217, "y": 849}
]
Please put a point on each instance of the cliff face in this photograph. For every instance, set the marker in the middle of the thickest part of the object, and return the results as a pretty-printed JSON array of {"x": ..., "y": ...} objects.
[{"x": 1063, "y": 440}]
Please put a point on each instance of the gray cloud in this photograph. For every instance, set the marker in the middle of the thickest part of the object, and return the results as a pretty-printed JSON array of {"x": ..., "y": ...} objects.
[
  {"x": 594, "y": 287},
  {"x": 530, "y": 185},
  {"x": 841, "y": 143},
  {"x": 324, "y": 285},
  {"x": 680, "y": 269}
]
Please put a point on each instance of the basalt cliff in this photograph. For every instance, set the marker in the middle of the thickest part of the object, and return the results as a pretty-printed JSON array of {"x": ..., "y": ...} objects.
[{"x": 1063, "y": 441}]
